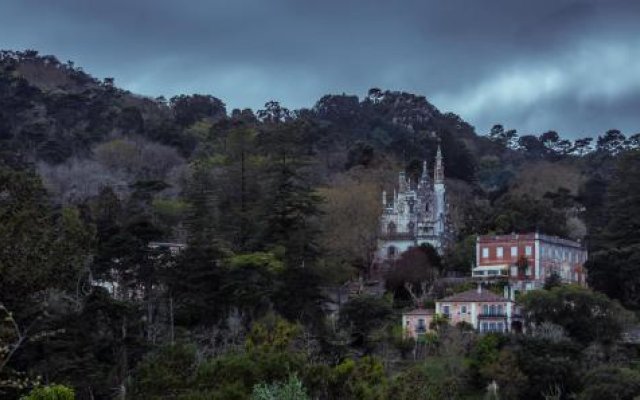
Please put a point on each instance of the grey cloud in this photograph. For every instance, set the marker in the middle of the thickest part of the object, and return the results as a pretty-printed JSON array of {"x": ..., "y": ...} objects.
[{"x": 532, "y": 65}]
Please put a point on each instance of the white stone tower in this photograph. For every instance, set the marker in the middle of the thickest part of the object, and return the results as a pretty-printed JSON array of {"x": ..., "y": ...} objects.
[{"x": 416, "y": 215}]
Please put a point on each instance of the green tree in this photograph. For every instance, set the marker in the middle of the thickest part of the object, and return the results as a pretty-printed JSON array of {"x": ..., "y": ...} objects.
[
  {"x": 250, "y": 281},
  {"x": 548, "y": 366},
  {"x": 363, "y": 316},
  {"x": 429, "y": 380},
  {"x": 359, "y": 379},
  {"x": 614, "y": 265},
  {"x": 165, "y": 371},
  {"x": 292, "y": 389},
  {"x": 586, "y": 316},
  {"x": 292, "y": 212},
  {"x": 607, "y": 381},
  {"x": 52, "y": 392}
]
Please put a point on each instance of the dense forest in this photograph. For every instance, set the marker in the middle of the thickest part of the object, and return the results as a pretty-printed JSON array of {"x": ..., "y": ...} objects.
[{"x": 278, "y": 210}]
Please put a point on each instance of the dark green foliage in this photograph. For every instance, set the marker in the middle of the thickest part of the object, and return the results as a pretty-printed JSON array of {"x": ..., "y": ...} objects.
[
  {"x": 40, "y": 249},
  {"x": 165, "y": 372},
  {"x": 91, "y": 346},
  {"x": 485, "y": 352},
  {"x": 586, "y": 316},
  {"x": 614, "y": 265},
  {"x": 290, "y": 222},
  {"x": 291, "y": 389},
  {"x": 363, "y": 316},
  {"x": 604, "y": 382},
  {"x": 173, "y": 372},
  {"x": 190, "y": 109},
  {"x": 360, "y": 154},
  {"x": 549, "y": 365},
  {"x": 195, "y": 286},
  {"x": 518, "y": 214},
  {"x": 428, "y": 380},
  {"x": 54, "y": 392}
]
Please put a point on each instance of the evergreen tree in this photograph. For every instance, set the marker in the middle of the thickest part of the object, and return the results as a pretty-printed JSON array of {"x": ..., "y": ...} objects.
[
  {"x": 614, "y": 266},
  {"x": 291, "y": 217}
]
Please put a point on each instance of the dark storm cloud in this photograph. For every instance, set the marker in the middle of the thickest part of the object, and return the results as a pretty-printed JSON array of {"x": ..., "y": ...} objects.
[{"x": 573, "y": 66}]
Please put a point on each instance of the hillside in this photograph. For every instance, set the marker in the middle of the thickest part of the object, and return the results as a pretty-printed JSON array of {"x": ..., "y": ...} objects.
[{"x": 278, "y": 208}]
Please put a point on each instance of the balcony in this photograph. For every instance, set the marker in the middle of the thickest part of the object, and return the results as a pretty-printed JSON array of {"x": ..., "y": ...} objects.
[
  {"x": 494, "y": 315},
  {"x": 491, "y": 271}
]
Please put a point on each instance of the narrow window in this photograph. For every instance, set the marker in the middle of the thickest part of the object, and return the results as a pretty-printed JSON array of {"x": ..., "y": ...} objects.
[
  {"x": 500, "y": 252},
  {"x": 445, "y": 310},
  {"x": 485, "y": 252},
  {"x": 391, "y": 251},
  {"x": 485, "y": 309},
  {"x": 514, "y": 251},
  {"x": 464, "y": 309},
  {"x": 527, "y": 250},
  {"x": 485, "y": 327}
]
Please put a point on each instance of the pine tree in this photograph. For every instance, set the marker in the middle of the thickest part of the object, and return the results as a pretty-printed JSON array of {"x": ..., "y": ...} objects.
[
  {"x": 291, "y": 217},
  {"x": 614, "y": 267}
]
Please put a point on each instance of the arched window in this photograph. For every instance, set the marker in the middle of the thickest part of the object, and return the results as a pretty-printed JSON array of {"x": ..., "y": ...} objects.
[{"x": 391, "y": 228}]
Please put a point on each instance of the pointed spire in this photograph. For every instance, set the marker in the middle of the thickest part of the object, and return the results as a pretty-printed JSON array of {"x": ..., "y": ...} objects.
[
  {"x": 425, "y": 171},
  {"x": 438, "y": 172},
  {"x": 384, "y": 199},
  {"x": 402, "y": 182}
]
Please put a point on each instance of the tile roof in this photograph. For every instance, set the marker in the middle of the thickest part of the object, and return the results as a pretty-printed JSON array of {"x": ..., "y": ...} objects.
[{"x": 473, "y": 295}]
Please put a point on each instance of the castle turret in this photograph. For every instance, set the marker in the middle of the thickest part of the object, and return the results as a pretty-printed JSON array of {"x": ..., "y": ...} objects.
[
  {"x": 438, "y": 172},
  {"x": 439, "y": 189},
  {"x": 403, "y": 183},
  {"x": 424, "y": 178}
]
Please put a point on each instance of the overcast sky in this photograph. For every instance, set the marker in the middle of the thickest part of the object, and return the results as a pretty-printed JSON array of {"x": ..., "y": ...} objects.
[{"x": 572, "y": 66}]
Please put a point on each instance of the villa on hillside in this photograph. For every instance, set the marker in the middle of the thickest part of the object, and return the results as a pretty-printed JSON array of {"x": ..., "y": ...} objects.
[
  {"x": 525, "y": 261},
  {"x": 482, "y": 309}
]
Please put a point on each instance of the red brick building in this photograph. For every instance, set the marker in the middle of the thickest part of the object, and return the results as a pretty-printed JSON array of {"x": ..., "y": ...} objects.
[{"x": 526, "y": 260}]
